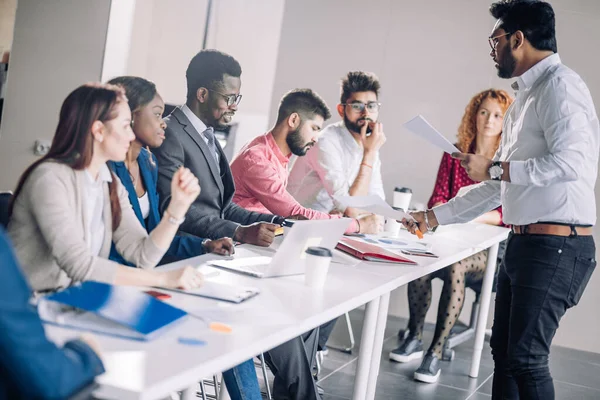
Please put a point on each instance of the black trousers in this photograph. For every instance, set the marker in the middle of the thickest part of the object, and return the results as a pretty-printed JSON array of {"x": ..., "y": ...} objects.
[
  {"x": 291, "y": 363},
  {"x": 541, "y": 277}
]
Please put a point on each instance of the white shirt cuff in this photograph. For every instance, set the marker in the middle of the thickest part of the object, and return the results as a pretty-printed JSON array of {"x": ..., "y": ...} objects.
[
  {"x": 518, "y": 172},
  {"x": 444, "y": 214}
]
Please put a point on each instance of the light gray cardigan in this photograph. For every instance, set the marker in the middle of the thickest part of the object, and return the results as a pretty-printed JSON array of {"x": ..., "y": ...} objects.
[{"x": 47, "y": 228}]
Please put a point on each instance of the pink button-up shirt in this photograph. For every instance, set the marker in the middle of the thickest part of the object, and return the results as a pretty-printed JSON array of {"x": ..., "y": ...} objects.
[{"x": 260, "y": 172}]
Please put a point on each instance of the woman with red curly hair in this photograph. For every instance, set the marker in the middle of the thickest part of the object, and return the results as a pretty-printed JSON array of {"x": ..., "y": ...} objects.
[{"x": 479, "y": 133}]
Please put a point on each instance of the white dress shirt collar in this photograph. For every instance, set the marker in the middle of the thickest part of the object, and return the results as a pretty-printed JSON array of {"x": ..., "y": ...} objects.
[
  {"x": 529, "y": 77},
  {"x": 196, "y": 122}
]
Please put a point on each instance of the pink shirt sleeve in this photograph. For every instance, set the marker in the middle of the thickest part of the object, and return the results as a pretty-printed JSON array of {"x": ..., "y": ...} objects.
[{"x": 264, "y": 182}]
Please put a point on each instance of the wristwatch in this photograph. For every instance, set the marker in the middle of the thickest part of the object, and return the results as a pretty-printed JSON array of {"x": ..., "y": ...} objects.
[{"x": 496, "y": 171}]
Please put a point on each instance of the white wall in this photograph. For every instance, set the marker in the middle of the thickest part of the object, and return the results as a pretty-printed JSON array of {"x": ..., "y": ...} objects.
[
  {"x": 57, "y": 46},
  {"x": 431, "y": 57}
]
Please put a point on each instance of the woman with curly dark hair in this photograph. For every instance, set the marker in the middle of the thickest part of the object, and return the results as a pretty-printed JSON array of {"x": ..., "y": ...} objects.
[{"x": 479, "y": 133}]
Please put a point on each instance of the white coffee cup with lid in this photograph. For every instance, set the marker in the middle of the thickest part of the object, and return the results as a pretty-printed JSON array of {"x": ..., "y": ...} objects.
[
  {"x": 402, "y": 197},
  {"x": 317, "y": 265}
]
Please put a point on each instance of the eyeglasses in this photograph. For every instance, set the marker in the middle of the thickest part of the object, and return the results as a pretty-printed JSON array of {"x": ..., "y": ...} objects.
[
  {"x": 371, "y": 106},
  {"x": 493, "y": 41},
  {"x": 231, "y": 99}
]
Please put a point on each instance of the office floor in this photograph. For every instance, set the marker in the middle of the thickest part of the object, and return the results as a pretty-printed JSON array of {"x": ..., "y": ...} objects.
[{"x": 575, "y": 372}]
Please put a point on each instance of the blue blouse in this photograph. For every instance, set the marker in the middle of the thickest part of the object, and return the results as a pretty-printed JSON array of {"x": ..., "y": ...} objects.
[{"x": 182, "y": 246}]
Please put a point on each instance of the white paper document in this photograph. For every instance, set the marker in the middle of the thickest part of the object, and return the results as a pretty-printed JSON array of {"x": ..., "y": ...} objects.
[
  {"x": 420, "y": 127},
  {"x": 371, "y": 203}
]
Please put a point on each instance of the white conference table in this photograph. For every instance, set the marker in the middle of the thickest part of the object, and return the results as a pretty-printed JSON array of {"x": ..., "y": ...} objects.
[{"x": 285, "y": 309}]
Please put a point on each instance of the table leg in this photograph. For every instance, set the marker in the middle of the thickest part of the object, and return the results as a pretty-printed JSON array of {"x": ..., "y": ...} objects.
[
  {"x": 366, "y": 350},
  {"x": 382, "y": 315},
  {"x": 189, "y": 393},
  {"x": 484, "y": 308}
]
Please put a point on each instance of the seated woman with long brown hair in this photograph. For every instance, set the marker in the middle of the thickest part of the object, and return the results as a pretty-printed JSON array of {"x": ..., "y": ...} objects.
[
  {"x": 68, "y": 207},
  {"x": 479, "y": 133}
]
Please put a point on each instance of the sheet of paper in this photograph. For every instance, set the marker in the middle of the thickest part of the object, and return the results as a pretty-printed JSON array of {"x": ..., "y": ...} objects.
[
  {"x": 420, "y": 127},
  {"x": 373, "y": 204}
]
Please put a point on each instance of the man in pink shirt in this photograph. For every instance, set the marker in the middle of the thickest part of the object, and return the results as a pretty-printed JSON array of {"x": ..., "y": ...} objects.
[{"x": 260, "y": 170}]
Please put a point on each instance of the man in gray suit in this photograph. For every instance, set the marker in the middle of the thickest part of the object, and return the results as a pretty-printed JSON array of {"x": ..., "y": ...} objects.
[{"x": 213, "y": 81}]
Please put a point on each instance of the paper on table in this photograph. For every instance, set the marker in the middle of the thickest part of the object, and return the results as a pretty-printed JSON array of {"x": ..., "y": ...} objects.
[
  {"x": 420, "y": 127},
  {"x": 371, "y": 203}
]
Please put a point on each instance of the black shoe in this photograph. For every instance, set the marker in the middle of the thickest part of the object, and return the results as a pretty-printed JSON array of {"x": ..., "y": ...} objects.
[
  {"x": 411, "y": 349},
  {"x": 429, "y": 371}
]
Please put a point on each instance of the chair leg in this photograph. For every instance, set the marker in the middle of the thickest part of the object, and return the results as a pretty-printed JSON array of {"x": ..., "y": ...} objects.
[
  {"x": 216, "y": 383},
  {"x": 350, "y": 335},
  {"x": 203, "y": 389},
  {"x": 263, "y": 367}
]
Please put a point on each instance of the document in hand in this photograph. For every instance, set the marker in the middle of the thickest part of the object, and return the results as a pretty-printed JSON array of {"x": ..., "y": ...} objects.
[
  {"x": 371, "y": 203},
  {"x": 420, "y": 127},
  {"x": 109, "y": 309},
  {"x": 370, "y": 252}
]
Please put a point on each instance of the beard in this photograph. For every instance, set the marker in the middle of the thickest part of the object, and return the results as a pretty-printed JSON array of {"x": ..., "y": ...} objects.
[
  {"x": 296, "y": 144},
  {"x": 354, "y": 127},
  {"x": 506, "y": 66}
]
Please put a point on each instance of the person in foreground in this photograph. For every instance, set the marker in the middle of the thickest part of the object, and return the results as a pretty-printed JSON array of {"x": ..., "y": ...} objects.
[
  {"x": 138, "y": 175},
  {"x": 32, "y": 367},
  {"x": 68, "y": 207},
  {"x": 479, "y": 133},
  {"x": 543, "y": 175}
]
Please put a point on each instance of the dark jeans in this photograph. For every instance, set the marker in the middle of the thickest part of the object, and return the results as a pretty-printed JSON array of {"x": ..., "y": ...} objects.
[{"x": 541, "y": 277}]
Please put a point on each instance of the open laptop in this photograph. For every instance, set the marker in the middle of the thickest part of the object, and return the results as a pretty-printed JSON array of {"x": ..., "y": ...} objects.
[{"x": 289, "y": 257}]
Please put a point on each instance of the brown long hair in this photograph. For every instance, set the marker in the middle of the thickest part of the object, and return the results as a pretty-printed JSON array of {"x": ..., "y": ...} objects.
[
  {"x": 467, "y": 131},
  {"x": 73, "y": 141}
]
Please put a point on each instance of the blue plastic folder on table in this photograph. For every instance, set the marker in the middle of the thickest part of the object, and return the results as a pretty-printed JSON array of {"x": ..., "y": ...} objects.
[{"x": 114, "y": 310}]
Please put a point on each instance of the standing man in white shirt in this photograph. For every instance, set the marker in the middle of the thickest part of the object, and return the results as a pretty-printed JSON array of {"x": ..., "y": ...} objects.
[
  {"x": 543, "y": 175},
  {"x": 345, "y": 161}
]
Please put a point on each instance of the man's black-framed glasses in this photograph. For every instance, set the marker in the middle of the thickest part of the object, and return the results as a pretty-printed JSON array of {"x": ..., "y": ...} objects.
[
  {"x": 493, "y": 41},
  {"x": 358, "y": 106},
  {"x": 231, "y": 99}
]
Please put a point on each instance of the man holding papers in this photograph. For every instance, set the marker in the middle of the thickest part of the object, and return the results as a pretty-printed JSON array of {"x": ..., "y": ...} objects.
[
  {"x": 260, "y": 171},
  {"x": 346, "y": 160},
  {"x": 543, "y": 175}
]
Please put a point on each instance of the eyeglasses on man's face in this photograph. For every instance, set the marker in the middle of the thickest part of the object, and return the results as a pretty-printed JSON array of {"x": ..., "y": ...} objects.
[
  {"x": 493, "y": 41},
  {"x": 358, "y": 106},
  {"x": 231, "y": 99}
]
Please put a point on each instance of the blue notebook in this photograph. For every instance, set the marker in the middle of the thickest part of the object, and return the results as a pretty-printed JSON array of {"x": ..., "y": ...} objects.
[{"x": 109, "y": 309}]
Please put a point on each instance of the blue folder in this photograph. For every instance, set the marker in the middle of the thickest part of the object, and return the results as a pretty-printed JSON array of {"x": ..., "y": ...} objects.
[{"x": 109, "y": 309}]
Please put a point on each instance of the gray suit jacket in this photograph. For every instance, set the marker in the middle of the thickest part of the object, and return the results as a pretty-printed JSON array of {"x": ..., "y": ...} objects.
[{"x": 213, "y": 214}]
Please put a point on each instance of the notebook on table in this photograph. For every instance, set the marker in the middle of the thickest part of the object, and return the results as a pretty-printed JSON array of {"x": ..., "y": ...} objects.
[
  {"x": 370, "y": 252},
  {"x": 114, "y": 310}
]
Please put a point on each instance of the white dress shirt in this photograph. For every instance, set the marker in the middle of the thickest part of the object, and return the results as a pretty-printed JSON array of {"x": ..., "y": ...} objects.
[
  {"x": 551, "y": 138},
  {"x": 329, "y": 169},
  {"x": 200, "y": 127},
  {"x": 93, "y": 196}
]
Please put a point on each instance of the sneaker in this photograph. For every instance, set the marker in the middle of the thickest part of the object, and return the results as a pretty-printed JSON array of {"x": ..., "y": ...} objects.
[
  {"x": 411, "y": 349},
  {"x": 429, "y": 371}
]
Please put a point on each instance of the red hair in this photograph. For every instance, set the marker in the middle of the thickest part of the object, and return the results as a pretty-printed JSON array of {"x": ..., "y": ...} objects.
[{"x": 467, "y": 131}]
